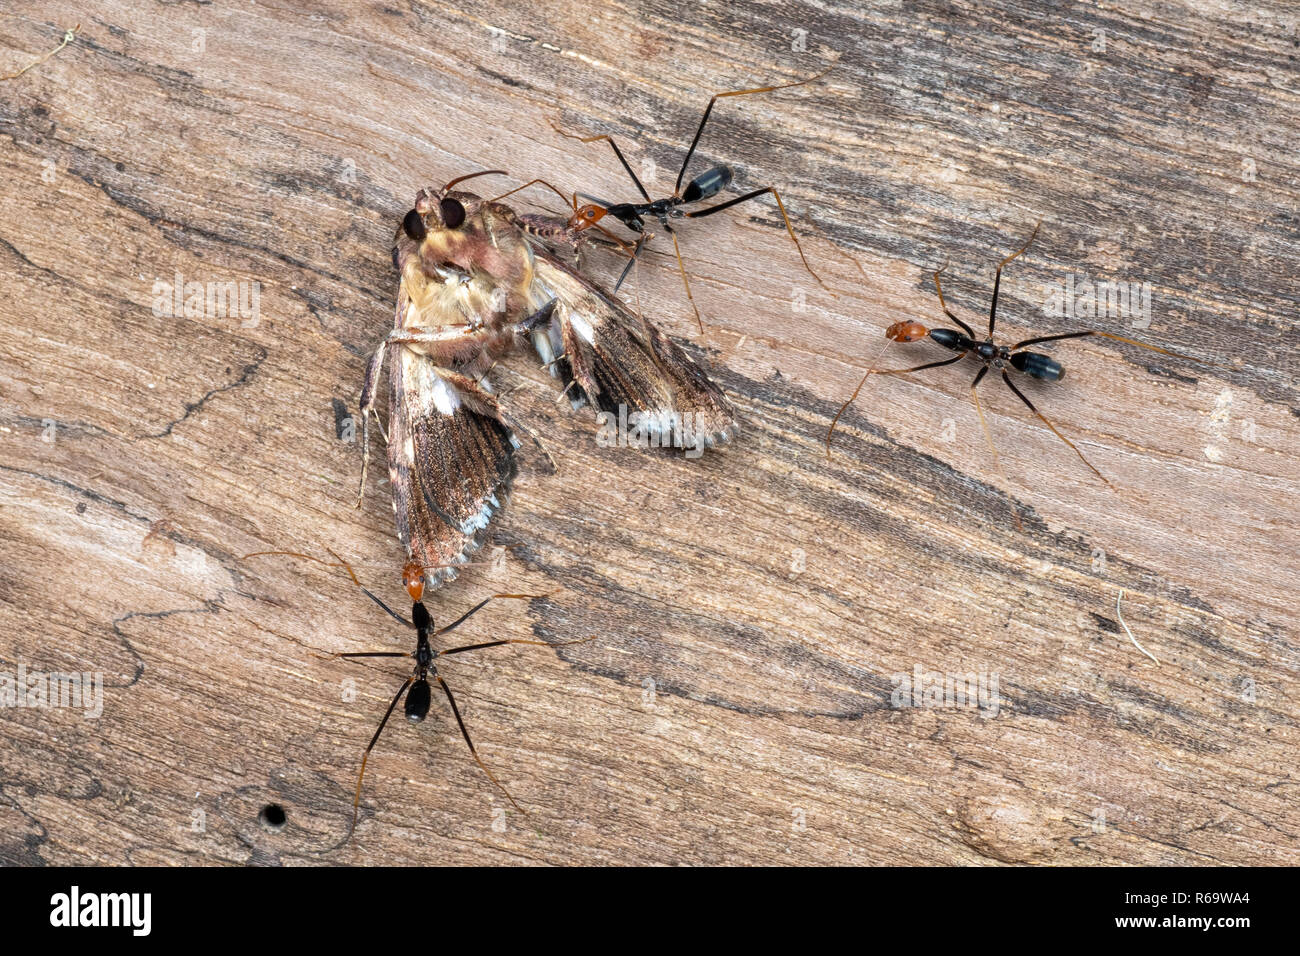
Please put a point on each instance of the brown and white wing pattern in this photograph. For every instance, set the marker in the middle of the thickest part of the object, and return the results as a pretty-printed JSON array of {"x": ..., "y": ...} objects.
[
  {"x": 450, "y": 456},
  {"x": 610, "y": 358},
  {"x": 450, "y": 460}
]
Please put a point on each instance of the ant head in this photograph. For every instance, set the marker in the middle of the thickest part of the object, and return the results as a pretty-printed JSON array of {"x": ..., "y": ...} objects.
[
  {"x": 413, "y": 580},
  {"x": 906, "y": 332},
  {"x": 417, "y": 701},
  {"x": 586, "y": 216}
]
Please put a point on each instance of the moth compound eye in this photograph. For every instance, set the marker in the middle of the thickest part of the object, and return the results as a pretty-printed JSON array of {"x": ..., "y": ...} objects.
[
  {"x": 453, "y": 213},
  {"x": 413, "y": 226}
]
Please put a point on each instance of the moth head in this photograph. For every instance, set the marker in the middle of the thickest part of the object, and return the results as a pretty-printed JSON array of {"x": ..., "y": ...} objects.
[{"x": 443, "y": 209}]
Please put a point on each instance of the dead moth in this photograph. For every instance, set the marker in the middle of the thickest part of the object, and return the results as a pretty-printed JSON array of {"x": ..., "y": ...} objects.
[
  {"x": 476, "y": 280},
  {"x": 450, "y": 453}
]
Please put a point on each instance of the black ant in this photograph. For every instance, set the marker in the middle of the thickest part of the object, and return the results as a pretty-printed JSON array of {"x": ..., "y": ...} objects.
[
  {"x": 417, "y": 688},
  {"x": 664, "y": 211},
  {"x": 991, "y": 355}
]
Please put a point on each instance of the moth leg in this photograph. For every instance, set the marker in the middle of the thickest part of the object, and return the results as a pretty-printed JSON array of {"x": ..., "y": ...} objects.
[
  {"x": 567, "y": 389},
  {"x": 619, "y": 153},
  {"x": 779, "y": 205},
  {"x": 579, "y": 364},
  {"x": 472, "y": 393},
  {"x": 446, "y": 345},
  {"x": 516, "y": 425},
  {"x": 539, "y": 318},
  {"x": 368, "y": 400}
]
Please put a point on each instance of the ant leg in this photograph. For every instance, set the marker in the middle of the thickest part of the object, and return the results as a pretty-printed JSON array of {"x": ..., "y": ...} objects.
[
  {"x": 681, "y": 266},
  {"x": 1117, "y": 338},
  {"x": 874, "y": 371},
  {"x": 1030, "y": 405},
  {"x": 636, "y": 251},
  {"x": 633, "y": 267},
  {"x": 465, "y": 733},
  {"x": 919, "y": 368},
  {"x": 338, "y": 563},
  {"x": 479, "y": 606},
  {"x": 1064, "y": 335},
  {"x": 709, "y": 109},
  {"x": 394, "y": 614},
  {"x": 997, "y": 277},
  {"x": 710, "y": 210},
  {"x": 538, "y": 182},
  {"x": 629, "y": 251},
  {"x": 356, "y": 801},
  {"x": 944, "y": 305},
  {"x": 617, "y": 152},
  {"x": 478, "y": 647},
  {"x": 988, "y": 436}
]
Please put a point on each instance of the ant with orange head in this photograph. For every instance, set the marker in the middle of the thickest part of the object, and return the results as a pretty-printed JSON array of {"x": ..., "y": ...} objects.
[
  {"x": 991, "y": 355},
  {"x": 668, "y": 209},
  {"x": 417, "y": 688}
]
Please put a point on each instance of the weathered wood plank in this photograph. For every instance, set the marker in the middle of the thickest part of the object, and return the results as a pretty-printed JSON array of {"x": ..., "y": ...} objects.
[{"x": 749, "y": 608}]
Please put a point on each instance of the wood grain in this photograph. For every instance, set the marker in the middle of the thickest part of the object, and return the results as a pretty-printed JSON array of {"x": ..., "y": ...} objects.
[{"x": 750, "y": 608}]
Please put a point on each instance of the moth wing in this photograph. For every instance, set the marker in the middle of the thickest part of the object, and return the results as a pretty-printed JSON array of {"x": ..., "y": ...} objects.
[
  {"x": 612, "y": 357},
  {"x": 451, "y": 462}
]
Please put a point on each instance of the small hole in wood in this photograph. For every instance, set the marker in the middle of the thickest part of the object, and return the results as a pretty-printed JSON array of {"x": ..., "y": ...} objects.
[{"x": 273, "y": 817}]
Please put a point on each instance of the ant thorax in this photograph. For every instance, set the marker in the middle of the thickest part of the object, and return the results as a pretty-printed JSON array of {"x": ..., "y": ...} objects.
[{"x": 992, "y": 354}]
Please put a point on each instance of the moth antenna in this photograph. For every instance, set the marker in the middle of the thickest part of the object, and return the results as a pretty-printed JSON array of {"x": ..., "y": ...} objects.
[
  {"x": 482, "y": 172},
  {"x": 531, "y": 182}
]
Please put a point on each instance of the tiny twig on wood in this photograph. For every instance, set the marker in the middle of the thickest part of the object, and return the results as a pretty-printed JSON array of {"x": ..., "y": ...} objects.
[{"x": 67, "y": 38}]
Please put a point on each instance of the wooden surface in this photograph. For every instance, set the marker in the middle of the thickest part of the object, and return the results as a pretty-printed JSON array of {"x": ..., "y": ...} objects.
[{"x": 749, "y": 608}]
